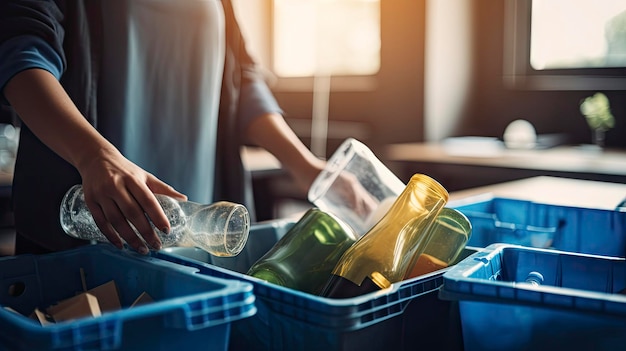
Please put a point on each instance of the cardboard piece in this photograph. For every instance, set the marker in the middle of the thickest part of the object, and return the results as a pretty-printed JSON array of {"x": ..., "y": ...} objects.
[
  {"x": 142, "y": 299},
  {"x": 107, "y": 296},
  {"x": 79, "y": 306},
  {"x": 41, "y": 317},
  {"x": 88, "y": 303}
]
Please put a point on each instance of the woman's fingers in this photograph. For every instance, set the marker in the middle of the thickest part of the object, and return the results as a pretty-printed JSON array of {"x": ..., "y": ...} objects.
[
  {"x": 115, "y": 227},
  {"x": 150, "y": 210},
  {"x": 104, "y": 226},
  {"x": 157, "y": 186},
  {"x": 120, "y": 217},
  {"x": 121, "y": 195},
  {"x": 132, "y": 211}
]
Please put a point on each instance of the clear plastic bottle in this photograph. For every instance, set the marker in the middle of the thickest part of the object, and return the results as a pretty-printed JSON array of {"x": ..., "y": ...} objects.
[
  {"x": 352, "y": 173},
  {"x": 220, "y": 229},
  {"x": 386, "y": 253}
]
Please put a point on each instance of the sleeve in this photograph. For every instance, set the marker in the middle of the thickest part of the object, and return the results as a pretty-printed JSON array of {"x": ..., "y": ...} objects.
[
  {"x": 31, "y": 35},
  {"x": 255, "y": 97},
  {"x": 27, "y": 52},
  {"x": 256, "y": 100}
]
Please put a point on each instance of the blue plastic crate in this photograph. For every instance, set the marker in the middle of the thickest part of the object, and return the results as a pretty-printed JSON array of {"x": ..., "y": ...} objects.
[
  {"x": 406, "y": 316},
  {"x": 580, "y": 305},
  {"x": 190, "y": 311},
  {"x": 527, "y": 223}
]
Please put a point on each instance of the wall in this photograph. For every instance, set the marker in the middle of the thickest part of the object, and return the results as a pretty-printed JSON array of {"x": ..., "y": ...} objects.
[{"x": 448, "y": 66}]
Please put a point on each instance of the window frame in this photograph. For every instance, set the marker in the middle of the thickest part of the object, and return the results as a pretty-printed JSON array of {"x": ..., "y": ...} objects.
[{"x": 519, "y": 74}]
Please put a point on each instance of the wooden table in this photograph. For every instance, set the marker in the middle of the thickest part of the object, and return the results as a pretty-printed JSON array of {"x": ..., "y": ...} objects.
[{"x": 458, "y": 167}]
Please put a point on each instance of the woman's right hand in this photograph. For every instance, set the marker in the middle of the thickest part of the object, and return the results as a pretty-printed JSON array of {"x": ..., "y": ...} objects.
[
  {"x": 347, "y": 190},
  {"x": 120, "y": 196}
]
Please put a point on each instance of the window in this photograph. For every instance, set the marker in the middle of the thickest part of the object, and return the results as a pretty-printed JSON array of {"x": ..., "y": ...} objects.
[
  {"x": 297, "y": 40},
  {"x": 578, "y": 34},
  {"x": 326, "y": 37},
  {"x": 565, "y": 44}
]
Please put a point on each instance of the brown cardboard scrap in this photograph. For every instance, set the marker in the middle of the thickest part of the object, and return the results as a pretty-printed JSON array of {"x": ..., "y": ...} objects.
[
  {"x": 89, "y": 303},
  {"x": 142, "y": 299},
  {"x": 107, "y": 296},
  {"x": 79, "y": 306},
  {"x": 41, "y": 317}
]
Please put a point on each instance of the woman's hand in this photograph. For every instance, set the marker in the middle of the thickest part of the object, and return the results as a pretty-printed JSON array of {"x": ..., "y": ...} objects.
[
  {"x": 350, "y": 193},
  {"x": 120, "y": 196}
]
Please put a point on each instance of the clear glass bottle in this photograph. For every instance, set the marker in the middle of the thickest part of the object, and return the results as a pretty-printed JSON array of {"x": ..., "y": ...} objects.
[
  {"x": 386, "y": 253},
  {"x": 220, "y": 229},
  {"x": 450, "y": 232},
  {"x": 306, "y": 255}
]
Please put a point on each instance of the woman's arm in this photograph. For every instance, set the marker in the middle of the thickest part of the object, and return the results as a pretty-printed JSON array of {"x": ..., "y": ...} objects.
[
  {"x": 260, "y": 116},
  {"x": 116, "y": 190},
  {"x": 271, "y": 132}
]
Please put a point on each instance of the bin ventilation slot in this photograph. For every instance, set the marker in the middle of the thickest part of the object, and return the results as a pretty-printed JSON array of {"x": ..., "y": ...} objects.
[{"x": 16, "y": 289}]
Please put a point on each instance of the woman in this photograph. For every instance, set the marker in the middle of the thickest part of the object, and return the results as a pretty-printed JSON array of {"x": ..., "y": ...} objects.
[{"x": 132, "y": 98}]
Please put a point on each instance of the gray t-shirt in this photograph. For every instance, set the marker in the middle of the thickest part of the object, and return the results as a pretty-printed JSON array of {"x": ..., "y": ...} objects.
[{"x": 162, "y": 72}]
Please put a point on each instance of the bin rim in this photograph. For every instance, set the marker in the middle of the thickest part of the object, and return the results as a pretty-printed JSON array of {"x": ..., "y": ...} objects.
[{"x": 459, "y": 285}]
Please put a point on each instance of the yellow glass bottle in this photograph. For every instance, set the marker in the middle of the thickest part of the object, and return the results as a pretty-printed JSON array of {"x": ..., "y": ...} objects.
[{"x": 386, "y": 253}]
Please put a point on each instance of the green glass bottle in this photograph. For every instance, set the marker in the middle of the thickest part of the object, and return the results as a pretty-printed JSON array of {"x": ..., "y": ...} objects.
[
  {"x": 386, "y": 253},
  {"x": 306, "y": 255},
  {"x": 450, "y": 232}
]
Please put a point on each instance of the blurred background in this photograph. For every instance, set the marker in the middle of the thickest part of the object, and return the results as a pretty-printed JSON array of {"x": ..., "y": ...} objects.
[{"x": 430, "y": 71}]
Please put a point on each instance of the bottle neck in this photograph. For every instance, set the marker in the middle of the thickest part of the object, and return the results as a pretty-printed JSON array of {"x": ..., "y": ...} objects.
[
  {"x": 190, "y": 207},
  {"x": 380, "y": 280}
]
